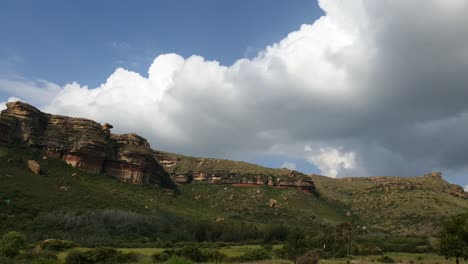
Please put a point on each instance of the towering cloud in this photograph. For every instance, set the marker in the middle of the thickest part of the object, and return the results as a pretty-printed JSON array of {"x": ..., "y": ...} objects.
[{"x": 372, "y": 87}]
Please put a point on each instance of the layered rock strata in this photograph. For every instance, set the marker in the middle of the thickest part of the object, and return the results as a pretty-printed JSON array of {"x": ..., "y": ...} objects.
[
  {"x": 83, "y": 143},
  {"x": 185, "y": 169}
]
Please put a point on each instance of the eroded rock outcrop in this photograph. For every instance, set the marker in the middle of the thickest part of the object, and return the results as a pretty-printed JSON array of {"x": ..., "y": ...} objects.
[
  {"x": 83, "y": 144},
  {"x": 185, "y": 169}
]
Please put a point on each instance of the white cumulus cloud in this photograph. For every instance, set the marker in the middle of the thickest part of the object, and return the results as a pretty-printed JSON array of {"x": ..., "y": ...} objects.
[
  {"x": 371, "y": 87},
  {"x": 288, "y": 165},
  {"x": 331, "y": 161}
]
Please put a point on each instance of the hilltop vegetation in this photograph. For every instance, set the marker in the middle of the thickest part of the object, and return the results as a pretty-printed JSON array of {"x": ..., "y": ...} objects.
[{"x": 395, "y": 204}]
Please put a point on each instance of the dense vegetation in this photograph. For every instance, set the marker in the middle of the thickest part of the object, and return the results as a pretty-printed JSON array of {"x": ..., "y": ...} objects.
[{"x": 454, "y": 238}]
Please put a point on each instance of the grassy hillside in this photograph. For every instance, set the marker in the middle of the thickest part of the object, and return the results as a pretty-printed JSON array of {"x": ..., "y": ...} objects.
[
  {"x": 94, "y": 209},
  {"x": 395, "y": 204}
]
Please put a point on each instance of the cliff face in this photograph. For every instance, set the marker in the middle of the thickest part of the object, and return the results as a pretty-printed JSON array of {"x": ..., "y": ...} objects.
[
  {"x": 83, "y": 144},
  {"x": 185, "y": 169}
]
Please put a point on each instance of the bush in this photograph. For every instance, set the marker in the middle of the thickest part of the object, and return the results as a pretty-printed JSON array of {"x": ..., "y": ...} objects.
[
  {"x": 267, "y": 247},
  {"x": 56, "y": 244},
  {"x": 192, "y": 253},
  {"x": 161, "y": 257},
  {"x": 214, "y": 256},
  {"x": 386, "y": 259},
  {"x": 178, "y": 260},
  {"x": 310, "y": 257},
  {"x": 11, "y": 244},
  {"x": 5, "y": 260},
  {"x": 77, "y": 257},
  {"x": 100, "y": 255}
]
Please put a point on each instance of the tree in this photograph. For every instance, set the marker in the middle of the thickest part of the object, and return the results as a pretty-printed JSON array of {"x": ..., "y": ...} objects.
[
  {"x": 345, "y": 234},
  {"x": 310, "y": 257},
  {"x": 11, "y": 244},
  {"x": 454, "y": 238},
  {"x": 297, "y": 245}
]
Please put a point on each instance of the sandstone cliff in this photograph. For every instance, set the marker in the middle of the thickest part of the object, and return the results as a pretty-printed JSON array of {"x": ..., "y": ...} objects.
[
  {"x": 186, "y": 169},
  {"x": 83, "y": 144}
]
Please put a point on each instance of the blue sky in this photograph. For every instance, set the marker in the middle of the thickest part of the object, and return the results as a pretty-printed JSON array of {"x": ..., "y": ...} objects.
[
  {"x": 84, "y": 41},
  {"x": 341, "y": 88}
]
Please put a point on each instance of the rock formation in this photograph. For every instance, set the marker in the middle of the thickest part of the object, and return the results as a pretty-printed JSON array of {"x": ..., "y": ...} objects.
[
  {"x": 185, "y": 169},
  {"x": 83, "y": 144}
]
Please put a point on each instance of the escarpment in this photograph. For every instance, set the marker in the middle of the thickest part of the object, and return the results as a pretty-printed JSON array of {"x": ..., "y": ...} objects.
[
  {"x": 185, "y": 169},
  {"x": 83, "y": 143}
]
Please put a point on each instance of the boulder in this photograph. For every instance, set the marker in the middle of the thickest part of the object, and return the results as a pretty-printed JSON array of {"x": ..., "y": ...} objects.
[
  {"x": 273, "y": 203},
  {"x": 183, "y": 179},
  {"x": 34, "y": 167}
]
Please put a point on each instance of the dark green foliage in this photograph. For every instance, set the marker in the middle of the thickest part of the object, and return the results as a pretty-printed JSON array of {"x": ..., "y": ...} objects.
[
  {"x": 178, "y": 260},
  {"x": 378, "y": 243},
  {"x": 56, "y": 244},
  {"x": 277, "y": 232},
  {"x": 40, "y": 257},
  {"x": 191, "y": 252},
  {"x": 386, "y": 259},
  {"x": 116, "y": 227},
  {"x": 101, "y": 255},
  {"x": 297, "y": 245},
  {"x": 454, "y": 238},
  {"x": 11, "y": 243},
  {"x": 161, "y": 257},
  {"x": 7, "y": 260}
]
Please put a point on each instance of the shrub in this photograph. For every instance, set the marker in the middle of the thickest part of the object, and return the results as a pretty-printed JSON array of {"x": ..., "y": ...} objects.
[
  {"x": 192, "y": 253},
  {"x": 77, "y": 257},
  {"x": 178, "y": 260},
  {"x": 5, "y": 260},
  {"x": 100, "y": 255},
  {"x": 161, "y": 257},
  {"x": 386, "y": 259},
  {"x": 11, "y": 244},
  {"x": 267, "y": 247},
  {"x": 56, "y": 244},
  {"x": 37, "y": 257},
  {"x": 214, "y": 256},
  {"x": 310, "y": 257}
]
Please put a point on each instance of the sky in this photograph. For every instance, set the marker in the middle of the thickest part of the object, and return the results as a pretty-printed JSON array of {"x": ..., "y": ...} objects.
[{"x": 340, "y": 88}]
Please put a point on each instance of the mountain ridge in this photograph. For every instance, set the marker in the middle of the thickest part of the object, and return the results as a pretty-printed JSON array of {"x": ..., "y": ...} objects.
[{"x": 388, "y": 203}]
